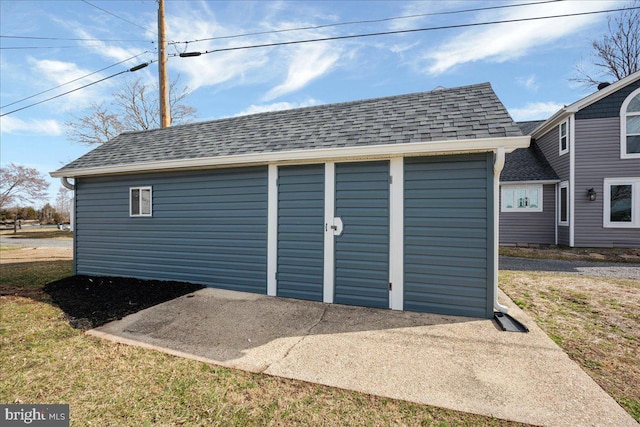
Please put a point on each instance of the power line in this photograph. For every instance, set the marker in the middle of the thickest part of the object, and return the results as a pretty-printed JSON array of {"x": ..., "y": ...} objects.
[
  {"x": 130, "y": 70},
  {"x": 119, "y": 17},
  {"x": 369, "y": 21},
  {"x": 73, "y": 39},
  {"x": 415, "y": 30},
  {"x": 74, "y": 80},
  {"x": 49, "y": 47}
]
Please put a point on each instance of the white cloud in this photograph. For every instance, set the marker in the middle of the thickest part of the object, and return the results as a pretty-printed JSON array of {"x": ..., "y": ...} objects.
[
  {"x": 503, "y": 42},
  {"x": 12, "y": 125},
  {"x": 277, "y": 106},
  {"x": 535, "y": 111},
  {"x": 308, "y": 62},
  {"x": 530, "y": 82}
]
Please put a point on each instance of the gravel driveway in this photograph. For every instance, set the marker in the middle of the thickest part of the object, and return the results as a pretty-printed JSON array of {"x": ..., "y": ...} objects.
[
  {"x": 583, "y": 268},
  {"x": 36, "y": 243}
]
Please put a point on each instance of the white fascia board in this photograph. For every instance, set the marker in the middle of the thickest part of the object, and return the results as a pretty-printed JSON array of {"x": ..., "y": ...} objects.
[
  {"x": 543, "y": 182},
  {"x": 582, "y": 103},
  {"x": 317, "y": 155}
]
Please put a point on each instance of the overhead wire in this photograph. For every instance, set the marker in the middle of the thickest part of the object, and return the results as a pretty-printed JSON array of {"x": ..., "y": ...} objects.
[
  {"x": 367, "y": 21},
  {"x": 133, "y": 69},
  {"x": 73, "y": 39},
  {"x": 383, "y": 33},
  {"x": 74, "y": 80},
  {"x": 119, "y": 17}
]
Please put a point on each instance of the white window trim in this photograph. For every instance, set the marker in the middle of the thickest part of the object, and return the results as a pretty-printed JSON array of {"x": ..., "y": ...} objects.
[
  {"x": 140, "y": 202},
  {"x": 563, "y": 184},
  {"x": 635, "y": 202},
  {"x": 527, "y": 187},
  {"x": 566, "y": 127},
  {"x": 623, "y": 126}
]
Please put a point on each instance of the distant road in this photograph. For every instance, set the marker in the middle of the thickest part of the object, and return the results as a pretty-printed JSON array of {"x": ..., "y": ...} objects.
[
  {"x": 36, "y": 243},
  {"x": 584, "y": 268}
]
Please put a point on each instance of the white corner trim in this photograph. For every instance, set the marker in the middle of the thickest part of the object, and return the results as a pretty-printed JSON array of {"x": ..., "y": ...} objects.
[
  {"x": 272, "y": 231},
  {"x": 557, "y": 213},
  {"x": 572, "y": 179},
  {"x": 396, "y": 233},
  {"x": 497, "y": 169},
  {"x": 318, "y": 155},
  {"x": 329, "y": 242}
]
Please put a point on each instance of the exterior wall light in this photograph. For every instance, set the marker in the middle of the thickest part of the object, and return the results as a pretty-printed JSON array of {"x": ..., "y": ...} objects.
[{"x": 591, "y": 195}]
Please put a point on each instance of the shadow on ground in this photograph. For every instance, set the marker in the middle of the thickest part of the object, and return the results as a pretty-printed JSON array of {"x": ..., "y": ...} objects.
[{"x": 89, "y": 302}]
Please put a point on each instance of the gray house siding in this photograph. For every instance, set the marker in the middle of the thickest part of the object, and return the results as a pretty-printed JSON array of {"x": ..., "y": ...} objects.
[
  {"x": 608, "y": 106},
  {"x": 362, "y": 250},
  {"x": 549, "y": 145},
  {"x": 207, "y": 227},
  {"x": 597, "y": 158},
  {"x": 300, "y": 271},
  {"x": 448, "y": 229},
  {"x": 531, "y": 228}
]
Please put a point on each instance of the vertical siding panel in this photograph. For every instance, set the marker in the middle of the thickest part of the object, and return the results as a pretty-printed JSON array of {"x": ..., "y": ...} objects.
[
  {"x": 597, "y": 158},
  {"x": 531, "y": 228},
  {"x": 207, "y": 227},
  {"x": 446, "y": 235},
  {"x": 301, "y": 232}
]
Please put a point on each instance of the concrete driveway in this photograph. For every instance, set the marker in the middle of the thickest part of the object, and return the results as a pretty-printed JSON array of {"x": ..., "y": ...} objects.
[{"x": 453, "y": 362}]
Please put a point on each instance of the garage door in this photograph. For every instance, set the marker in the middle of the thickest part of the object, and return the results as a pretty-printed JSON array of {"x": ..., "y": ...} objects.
[
  {"x": 300, "y": 232},
  {"x": 446, "y": 237},
  {"x": 362, "y": 250}
]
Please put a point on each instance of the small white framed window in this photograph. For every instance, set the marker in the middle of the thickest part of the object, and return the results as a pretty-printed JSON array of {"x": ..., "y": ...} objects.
[
  {"x": 563, "y": 203},
  {"x": 521, "y": 198},
  {"x": 630, "y": 126},
  {"x": 621, "y": 203},
  {"x": 563, "y": 142},
  {"x": 140, "y": 203}
]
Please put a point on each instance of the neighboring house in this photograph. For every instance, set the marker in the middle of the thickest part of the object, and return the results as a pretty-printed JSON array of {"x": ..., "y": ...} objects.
[
  {"x": 593, "y": 148},
  {"x": 388, "y": 202}
]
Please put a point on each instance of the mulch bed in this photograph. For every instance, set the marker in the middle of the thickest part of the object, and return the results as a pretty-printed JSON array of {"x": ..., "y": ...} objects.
[{"x": 89, "y": 301}]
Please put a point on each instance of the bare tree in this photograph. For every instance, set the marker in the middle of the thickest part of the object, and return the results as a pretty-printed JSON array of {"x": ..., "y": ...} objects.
[
  {"x": 134, "y": 107},
  {"x": 63, "y": 203},
  {"x": 617, "y": 54},
  {"x": 21, "y": 184}
]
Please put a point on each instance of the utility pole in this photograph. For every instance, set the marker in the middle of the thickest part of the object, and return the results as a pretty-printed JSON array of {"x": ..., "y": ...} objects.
[{"x": 165, "y": 112}]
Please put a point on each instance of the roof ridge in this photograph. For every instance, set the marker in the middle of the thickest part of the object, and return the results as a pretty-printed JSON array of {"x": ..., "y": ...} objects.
[{"x": 311, "y": 107}]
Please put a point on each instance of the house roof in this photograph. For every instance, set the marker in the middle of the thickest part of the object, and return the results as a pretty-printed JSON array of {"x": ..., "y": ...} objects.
[
  {"x": 563, "y": 113},
  {"x": 527, "y": 164},
  {"x": 459, "y": 114}
]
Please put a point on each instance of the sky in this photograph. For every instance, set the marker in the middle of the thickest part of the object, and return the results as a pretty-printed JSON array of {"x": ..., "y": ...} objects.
[{"x": 529, "y": 63}]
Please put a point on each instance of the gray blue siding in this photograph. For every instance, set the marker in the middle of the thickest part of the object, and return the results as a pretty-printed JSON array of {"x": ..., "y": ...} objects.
[
  {"x": 448, "y": 231},
  {"x": 609, "y": 106},
  {"x": 301, "y": 232},
  {"x": 362, "y": 251},
  {"x": 207, "y": 227},
  {"x": 597, "y": 158},
  {"x": 531, "y": 228}
]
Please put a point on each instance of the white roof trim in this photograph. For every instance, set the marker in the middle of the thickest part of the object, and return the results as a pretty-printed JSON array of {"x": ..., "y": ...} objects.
[
  {"x": 530, "y": 181},
  {"x": 584, "y": 102},
  {"x": 323, "y": 154}
]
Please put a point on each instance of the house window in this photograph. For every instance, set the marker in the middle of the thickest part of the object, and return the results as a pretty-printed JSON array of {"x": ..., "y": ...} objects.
[
  {"x": 563, "y": 204},
  {"x": 140, "y": 201},
  {"x": 564, "y": 137},
  {"x": 622, "y": 202},
  {"x": 630, "y": 126},
  {"x": 522, "y": 198}
]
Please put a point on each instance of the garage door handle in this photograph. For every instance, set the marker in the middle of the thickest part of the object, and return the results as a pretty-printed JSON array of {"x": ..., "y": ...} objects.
[{"x": 335, "y": 225}]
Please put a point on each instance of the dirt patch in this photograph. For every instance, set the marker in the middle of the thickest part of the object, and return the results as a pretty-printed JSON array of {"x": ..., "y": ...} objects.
[
  {"x": 89, "y": 302},
  {"x": 13, "y": 256},
  {"x": 630, "y": 255}
]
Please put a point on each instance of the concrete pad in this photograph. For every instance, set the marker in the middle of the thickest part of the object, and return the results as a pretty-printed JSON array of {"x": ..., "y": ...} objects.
[{"x": 453, "y": 362}]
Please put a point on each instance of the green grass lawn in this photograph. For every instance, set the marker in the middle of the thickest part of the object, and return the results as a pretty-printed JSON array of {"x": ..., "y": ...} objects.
[{"x": 44, "y": 360}]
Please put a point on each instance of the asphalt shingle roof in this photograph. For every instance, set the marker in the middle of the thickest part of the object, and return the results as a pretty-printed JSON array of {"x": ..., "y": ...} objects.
[
  {"x": 527, "y": 164},
  {"x": 468, "y": 112}
]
